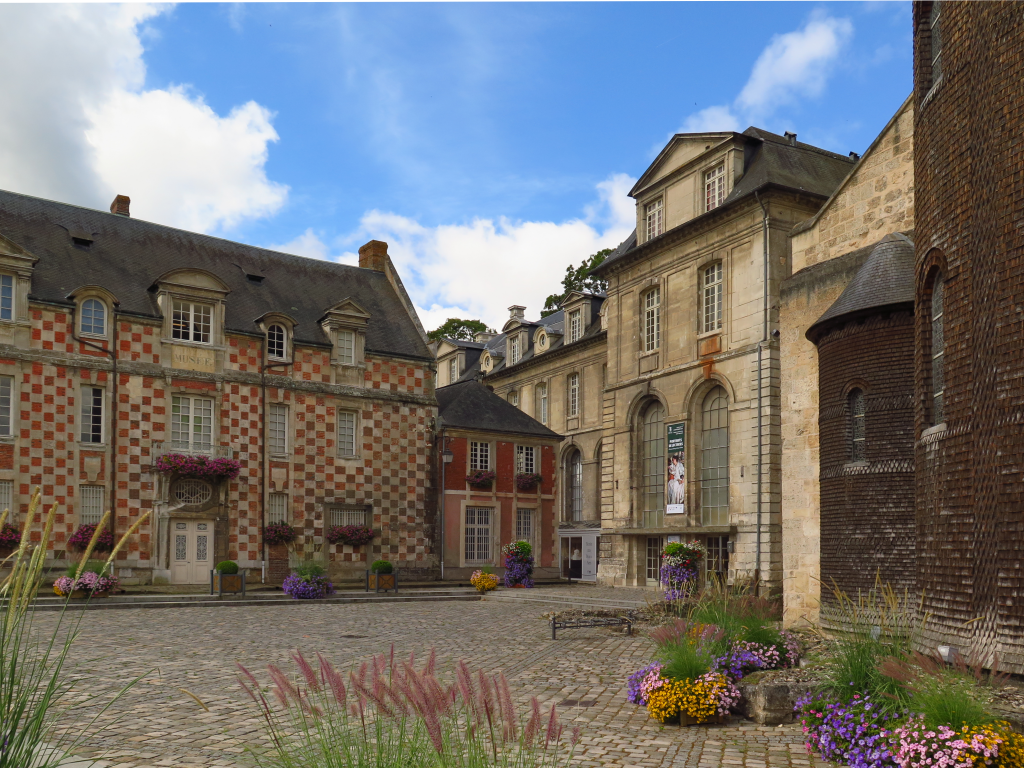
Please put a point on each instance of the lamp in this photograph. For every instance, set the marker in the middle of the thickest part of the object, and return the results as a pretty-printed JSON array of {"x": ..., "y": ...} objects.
[{"x": 447, "y": 456}]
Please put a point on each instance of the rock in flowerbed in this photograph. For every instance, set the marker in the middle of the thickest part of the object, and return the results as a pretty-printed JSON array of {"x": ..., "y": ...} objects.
[{"x": 768, "y": 697}]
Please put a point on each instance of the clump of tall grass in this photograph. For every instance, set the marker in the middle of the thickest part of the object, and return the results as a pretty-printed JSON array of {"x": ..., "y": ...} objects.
[
  {"x": 392, "y": 715},
  {"x": 32, "y": 666}
]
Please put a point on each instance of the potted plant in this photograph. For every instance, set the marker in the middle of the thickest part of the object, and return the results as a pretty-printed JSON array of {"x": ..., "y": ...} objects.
[
  {"x": 484, "y": 581},
  {"x": 381, "y": 576},
  {"x": 308, "y": 582},
  {"x": 482, "y": 478},
  {"x": 202, "y": 467},
  {"x": 352, "y": 535},
  {"x": 225, "y": 577},
  {"x": 518, "y": 564},
  {"x": 527, "y": 481},
  {"x": 278, "y": 533},
  {"x": 91, "y": 582},
  {"x": 679, "y": 568},
  {"x": 83, "y": 535},
  {"x": 10, "y": 538}
]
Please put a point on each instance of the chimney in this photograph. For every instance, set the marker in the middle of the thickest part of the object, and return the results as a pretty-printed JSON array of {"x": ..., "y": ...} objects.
[
  {"x": 854, "y": 156},
  {"x": 517, "y": 312},
  {"x": 120, "y": 205},
  {"x": 791, "y": 137},
  {"x": 374, "y": 255},
  {"x": 482, "y": 337}
]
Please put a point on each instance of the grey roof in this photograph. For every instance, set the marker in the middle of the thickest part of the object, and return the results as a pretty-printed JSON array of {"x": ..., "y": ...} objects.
[
  {"x": 471, "y": 405},
  {"x": 885, "y": 280},
  {"x": 127, "y": 256}
]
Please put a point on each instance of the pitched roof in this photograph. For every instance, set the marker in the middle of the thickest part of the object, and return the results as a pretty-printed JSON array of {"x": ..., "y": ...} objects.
[
  {"x": 471, "y": 405},
  {"x": 127, "y": 256}
]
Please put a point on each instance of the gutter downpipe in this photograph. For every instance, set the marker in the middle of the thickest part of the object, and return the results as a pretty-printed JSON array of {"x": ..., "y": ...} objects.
[
  {"x": 760, "y": 347},
  {"x": 263, "y": 447},
  {"x": 444, "y": 446}
]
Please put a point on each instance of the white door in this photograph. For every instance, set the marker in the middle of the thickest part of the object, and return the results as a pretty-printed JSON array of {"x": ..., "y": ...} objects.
[{"x": 191, "y": 551}]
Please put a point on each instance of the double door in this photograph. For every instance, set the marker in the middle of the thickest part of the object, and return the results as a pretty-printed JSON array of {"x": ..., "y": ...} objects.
[{"x": 191, "y": 551}]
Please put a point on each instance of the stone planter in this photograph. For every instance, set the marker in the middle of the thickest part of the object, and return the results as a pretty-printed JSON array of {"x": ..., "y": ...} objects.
[
  {"x": 767, "y": 702},
  {"x": 381, "y": 582}
]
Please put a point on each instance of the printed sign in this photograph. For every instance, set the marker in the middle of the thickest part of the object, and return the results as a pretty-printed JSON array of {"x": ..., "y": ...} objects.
[{"x": 675, "y": 488}]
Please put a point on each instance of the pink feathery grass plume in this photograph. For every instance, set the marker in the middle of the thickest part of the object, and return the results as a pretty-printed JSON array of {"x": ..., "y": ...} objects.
[
  {"x": 532, "y": 731},
  {"x": 577, "y": 734},
  {"x": 308, "y": 674},
  {"x": 333, "y": 680},
  {"x": 431, "y": 662},
  {"x": 508, "y": 710},
  {"x": 554, "y": 729},
  {"x": 286, "y": 686}
]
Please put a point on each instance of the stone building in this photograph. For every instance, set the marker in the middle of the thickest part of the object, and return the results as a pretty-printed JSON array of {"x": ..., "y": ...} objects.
[
  {"x": 691, "y": 413},
  {"x": 122, "y": 341}
]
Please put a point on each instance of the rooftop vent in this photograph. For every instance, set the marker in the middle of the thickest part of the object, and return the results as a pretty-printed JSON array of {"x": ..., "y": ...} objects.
[
  {"x": 80, "y": 239},
  {"x": 258, "y": 279},
  {"x": 120, "y": 206},
  {"x": 854, "y": 156},
  {"x": 791, "y": 137}
]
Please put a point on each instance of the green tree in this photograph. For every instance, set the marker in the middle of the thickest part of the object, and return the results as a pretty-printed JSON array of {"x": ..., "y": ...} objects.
[
  {"x": 578, "y": 279},
  {"x": 454, "y": 328}
]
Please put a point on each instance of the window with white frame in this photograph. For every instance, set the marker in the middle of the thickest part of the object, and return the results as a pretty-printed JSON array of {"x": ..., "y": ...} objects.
[
  {"x": 574, "y": 394},
  {"x": 453, "y": 370},
  {"x": 938, "y": 352},
  {"x": 542, "y": 407},
  {"x": 191, "y": 321},
  {"x": 524, "y": 525},
  {"x": 714, "y": 187},
  {"x": 348, "y": 515},
  {"x": 92, "y": 504},
  {"x": 277, "y": 508},
  {"x": 7, "y": 499},
  {"x": 513, "y": 398},
  {"x": 347, "y": 433},
  {"x": 711, "y": 282},
  {"x": 574, "y": 491},
  {"x": 6, "y": 406},
  {"x": 94, "y": 318},
  {"x": 6, "y": 297},
  {"x": 276, "y": 342},
  {"x": 655, "y": 214},
  {"x": 277, "y": 428},
  {"x": 347, "y": 347},
  {"x": 526, "y": 462},
  {"x": 478, "y": 534},
  {"x": 575, "y": 325},
  {"x": 858, "y": 418},
  {"x": 479, "y": 456},
  {"x": 191, "y": 423},
  {"x": 92, "y": 415},
  {"x": 513, "y": 349},
  {"x": 652, "y": 319}
]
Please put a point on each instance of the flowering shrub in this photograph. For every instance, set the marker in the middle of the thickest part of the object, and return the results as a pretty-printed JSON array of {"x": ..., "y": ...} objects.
[
  {"x": 83, "y": 535},
  {"x": 353, "y": 535},
  {"x": 88, "y": 582},
  {"x": 791, "y": 646},
  {"x": 9, "y": 536},
  {"x": 278, "y": 533},
  {"x": 679, "y": 569},
  {"x": 857, "y": 733},
  {"x": 518, "y": 564},
  {"x": 725, "y": 693},
  {"x": 484, "y": 582},
  {"x": 917, "y": 747},
  {"x": 698, "y": 698},
  {"x": 309, "y": 587},
  {"x": 481, "y": 477},
  {"x": 203, "y": 467},
  {"x": 527, "y": 481},
  {"x": 638, "y": 688}
]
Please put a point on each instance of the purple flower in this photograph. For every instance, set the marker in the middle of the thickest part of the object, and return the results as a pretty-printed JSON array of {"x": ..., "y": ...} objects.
[
  {"x": 200, "y": 466},
  {"x": 278, "y": 533},
  {"x": 308, "y": 588},
  {"x": 353, "y": 535},
  {"x": 9, "y": 536},
  {"x": 634, "y": 691},
  {"x": 83, "y": 535}
]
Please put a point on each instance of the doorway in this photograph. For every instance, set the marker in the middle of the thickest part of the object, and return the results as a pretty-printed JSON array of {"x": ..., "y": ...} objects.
[
  {"x": 191, "y": 551},
  {"x": 580, "y": 556}
]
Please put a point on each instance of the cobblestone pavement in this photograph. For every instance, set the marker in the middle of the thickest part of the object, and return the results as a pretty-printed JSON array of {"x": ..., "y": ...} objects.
[{"x": 195, "y": 650}]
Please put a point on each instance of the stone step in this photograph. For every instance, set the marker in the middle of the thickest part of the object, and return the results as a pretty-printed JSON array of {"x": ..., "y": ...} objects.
[{"x": 113, "y": 603}]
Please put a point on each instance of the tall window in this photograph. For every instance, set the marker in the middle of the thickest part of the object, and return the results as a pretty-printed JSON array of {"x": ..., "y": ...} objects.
[
  {"x": 7, "y": 498},
  {"x": 94, "y": 318},
  {"x": 714, "y": 459},
  {"x": 574, "y": 489},
  {"x": 513, "y": 349},
  {"x": 714, "y": 187},
  {"x": 277, "y": 428},
  {"x": 453, "y": 370},
  {"x": 191, "y": 423},
  {"x": 6, "y": 410},
  {"x": 652, "y": 319},
  {"x": 653, "y": 465},
  {"x": 513, "y": 398},
  {"x": 574, "y": 394},
  {"x": 277, "y": 508},
  {"x": 348, "y": 515},
  {"x": 711, "y": 288},
  {"x": 478, "y": 534},
  {"x": 92, "y": 504},
  {"x": 858, "y": 437},
  {"x": 575, "y": 325},
  {"x": 542, "y": 405},
  {"x": 938, "y": 351},
  {"x": 479, "y": 456},
  {"x": 275, "y": 342},
  {"x": 655, "y": 218},
  {"x": 92, "y": 415},
  {"x": 191, "y": 321},
  {"x": 935, "y": 41},
  {"x": 347, "y": 347},
  {"x": 6, "y": 297},
  {"x": 654, "y": 546},
  {"x": 346, "y": 433},
  {"x": 526, "y": 463},
  {"x": 717, "y": 563},
  {"x": 524, "y": 525}
]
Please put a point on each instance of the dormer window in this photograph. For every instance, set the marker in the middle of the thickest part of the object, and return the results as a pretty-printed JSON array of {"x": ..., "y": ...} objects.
[
  {"x": 575, "y": 325},
  {"x": 513, "y": 350},
  {"x": 276, "y": 346},
  {"x": 6, "y": 297},
  {"x": 714, "y": 187},
  {"x": 453, "y": 370},
  {"x": 191, "y": 321},
  {"x": 94, "y": 318},
  {"x": 542, "y": 342},
  {"x": 655, "y": 215},
  {"x": 347, "y": 347}
]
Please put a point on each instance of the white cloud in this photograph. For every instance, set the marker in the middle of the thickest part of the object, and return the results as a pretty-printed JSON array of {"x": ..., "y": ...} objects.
[
  {"x": 82, "y": 127},
  {"x": 307, "y": 244},
  {"x": 710, "y": 120}
]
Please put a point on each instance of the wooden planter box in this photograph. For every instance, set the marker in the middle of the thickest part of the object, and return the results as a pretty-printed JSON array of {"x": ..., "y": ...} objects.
[
  {"x": 81, "y": 594},
  {"x": 481, "y": 486},
  {"x": 382, "y": 582},
  {"x": 227, "y": 583},
  {"x": 683, "y": 720}
]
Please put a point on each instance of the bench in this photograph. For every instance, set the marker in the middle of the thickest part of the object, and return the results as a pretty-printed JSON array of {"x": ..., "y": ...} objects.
[{"x": 587, "y": 623}]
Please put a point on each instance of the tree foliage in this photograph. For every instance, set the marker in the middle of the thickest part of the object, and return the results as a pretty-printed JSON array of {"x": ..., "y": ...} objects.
[
  {"x": 454, "y": 328},
  {"x": 578, "y": 279}
]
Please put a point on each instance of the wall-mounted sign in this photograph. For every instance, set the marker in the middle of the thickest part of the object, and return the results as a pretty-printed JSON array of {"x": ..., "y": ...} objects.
[{"x": 675, "y": 488}]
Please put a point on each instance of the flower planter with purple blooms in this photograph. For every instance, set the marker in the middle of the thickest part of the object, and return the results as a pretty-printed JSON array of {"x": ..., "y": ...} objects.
[
  {"x": 202, "y": 467},
  {"x": 308, "y": 582},
  {"x": 88, "y": 584},
  {"x": 10, "y": 537},
  {"x": 528, "y": 481},
  {"x": 83, "y": 535},
  {"x": 680, "y": 566},
  {"x": 518, "y": 564},
  {"x": 352, "y": 535},
  {"x": 483, "y": 478},
  {"x": 278, "y": 533}
]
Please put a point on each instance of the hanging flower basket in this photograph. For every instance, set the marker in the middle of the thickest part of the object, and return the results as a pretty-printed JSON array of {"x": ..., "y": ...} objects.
[
  {"x": 201, "y": 467},
  {"x": 482, "y": 478},
  {"x": 527, "y": 481},
  {"x": 83, "y": 535},
  {"x": 353, "y": 535},
  {"x": 278, "y": 533}
]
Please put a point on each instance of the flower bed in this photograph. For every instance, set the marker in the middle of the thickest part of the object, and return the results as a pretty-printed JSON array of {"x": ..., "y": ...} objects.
[
  {"x": 484, "y": 582},
  {"x": 83, "y": 535},
  {"x": 352, "y": 535},
  {"x": 278, "y": 533},
  {"x": 518, "y": 564},
  {"x": 202, "y": 467}
]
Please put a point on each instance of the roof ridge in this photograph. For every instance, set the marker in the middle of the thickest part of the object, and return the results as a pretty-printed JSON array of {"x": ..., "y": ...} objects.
[{"x": 775, "y": 138}]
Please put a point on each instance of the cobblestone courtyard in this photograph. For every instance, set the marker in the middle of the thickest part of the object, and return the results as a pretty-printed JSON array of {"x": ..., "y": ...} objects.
[{"x": 196, "y": 649}]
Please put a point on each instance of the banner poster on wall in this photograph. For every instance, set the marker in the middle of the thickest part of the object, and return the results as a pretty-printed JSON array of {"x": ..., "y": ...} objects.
[{"x": 675, "y": 488}]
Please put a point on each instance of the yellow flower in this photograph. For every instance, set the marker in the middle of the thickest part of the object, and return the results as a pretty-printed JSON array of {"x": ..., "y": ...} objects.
[
  {"x": 694, "y": 698},
  {"x": 484, "y": 582}
]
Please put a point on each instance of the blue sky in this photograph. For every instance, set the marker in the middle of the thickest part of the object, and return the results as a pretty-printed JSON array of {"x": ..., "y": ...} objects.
[{"x": 489, "y": 144}]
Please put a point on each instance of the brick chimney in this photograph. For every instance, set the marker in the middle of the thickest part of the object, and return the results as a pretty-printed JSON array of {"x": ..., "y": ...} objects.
[
  {"x": 374, "y": 255},
  {"x": 120, "y": 205}
]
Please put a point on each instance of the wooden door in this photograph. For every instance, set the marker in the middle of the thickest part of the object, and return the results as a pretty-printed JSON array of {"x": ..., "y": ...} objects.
[{"x": 191, "y": 551}]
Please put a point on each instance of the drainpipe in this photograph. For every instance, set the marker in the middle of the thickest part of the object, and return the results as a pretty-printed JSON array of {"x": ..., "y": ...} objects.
[
  {"x": 444, "y": 465},
  {"x": 112, "y": 354},
  {"x": 760, "y": 348},
  {"x": 263, "y": 446}
]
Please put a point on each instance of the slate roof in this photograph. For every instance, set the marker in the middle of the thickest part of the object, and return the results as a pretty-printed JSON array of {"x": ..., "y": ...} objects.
[
  {"x": 471, "y": 405},
  {"x": 127, "y": 256},
  {"x": 885, "y": 280}
]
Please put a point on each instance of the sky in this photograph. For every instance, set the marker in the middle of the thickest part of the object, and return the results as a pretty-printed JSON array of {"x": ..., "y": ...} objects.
[{"x": 490, "y": 145}]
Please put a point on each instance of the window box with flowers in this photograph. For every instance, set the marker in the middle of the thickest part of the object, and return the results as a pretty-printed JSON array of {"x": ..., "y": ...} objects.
[
  {"x": 483, "y": 478},
  {"x": 83, "y": 535},
  {"x": 10, "y": 538},
  {"x": 278, "y": 533},
  {"x": 352, "y": 535},
  {"x": 528, "y": 481},
  {"x": 200, "y": 467},
  {"x": 91, "y": 582}
]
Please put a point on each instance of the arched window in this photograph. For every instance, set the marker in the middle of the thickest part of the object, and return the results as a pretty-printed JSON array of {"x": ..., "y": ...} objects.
[
  {"x": 652, "y": 319},
  {"x": 938, "y": 351},
  {"x": 714, "y": 458},
  {"x": 275, "y": 342},
  {"x": 711, "y": 298},
  {"x": 653, "y": 465},
  {"x": 858, "y": 435},
  {"x": 94, "y": 318},
  {"x": 574, "y": 486}
]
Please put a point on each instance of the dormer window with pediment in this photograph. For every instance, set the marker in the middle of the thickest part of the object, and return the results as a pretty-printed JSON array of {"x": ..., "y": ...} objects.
[
  {"x": 278, "y": 330},
  {"x": 345, "y": 324},
  {"x": 16, "y": 267},
  {"x": 6, "y": 297},
  {"x": 575, "y": 325},
  {"x": 94, "y": 307},
  {"x": 714, "y": 187},
  {"x": 655, "y": 214},
  {"x": 514, "y": 350},
  {"x": 192, "y": 302}
]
